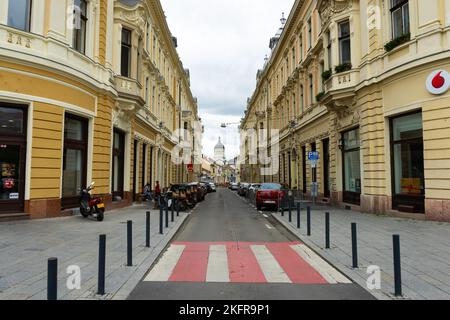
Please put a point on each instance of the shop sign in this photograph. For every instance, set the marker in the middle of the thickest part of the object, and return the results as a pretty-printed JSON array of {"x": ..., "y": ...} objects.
[
  {"x": 190, "y": 167},
  {"x": 13, "y": 196},
  {"x": 438, "y": 82}
]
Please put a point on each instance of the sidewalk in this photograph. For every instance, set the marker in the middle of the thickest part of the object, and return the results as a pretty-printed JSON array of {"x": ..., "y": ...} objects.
[
  {"x": 425, "y": 250},
  {"x": 25, "y": 247}
]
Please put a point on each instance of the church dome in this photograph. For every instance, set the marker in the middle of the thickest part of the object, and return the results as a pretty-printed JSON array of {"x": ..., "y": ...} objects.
[{"x": 219, "y": 145}]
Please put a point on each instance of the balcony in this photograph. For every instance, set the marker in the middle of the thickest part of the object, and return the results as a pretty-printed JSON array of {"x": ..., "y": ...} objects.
[
  {"x": 340, "y": 90},
  {"x": 127, "y": 87}
]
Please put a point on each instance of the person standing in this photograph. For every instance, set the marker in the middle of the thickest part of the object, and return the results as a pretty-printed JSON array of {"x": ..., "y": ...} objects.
[{"x": 157, "y": 195}]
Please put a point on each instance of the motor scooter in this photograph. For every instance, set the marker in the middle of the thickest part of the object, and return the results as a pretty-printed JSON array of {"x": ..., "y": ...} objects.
[{"x": 91, "y": 206}]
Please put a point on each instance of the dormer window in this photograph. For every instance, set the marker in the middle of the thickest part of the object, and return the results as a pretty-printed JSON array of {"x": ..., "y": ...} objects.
[{"x": 19, "y": 14}]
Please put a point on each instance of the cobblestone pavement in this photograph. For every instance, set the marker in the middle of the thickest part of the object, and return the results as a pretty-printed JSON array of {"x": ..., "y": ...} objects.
[
  {"x": 25, "y": 247},
  {"x": 425, "y": 250}
]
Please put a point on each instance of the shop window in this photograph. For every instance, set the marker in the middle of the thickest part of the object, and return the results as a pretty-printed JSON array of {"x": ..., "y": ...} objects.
[
  {"x": 352, "y": 166},
  {"x": 19, "y": 14},
  {"x": 118, "y": 165},
  {"x": 80, "y": 26},
  {"x": 12, "y": 157},
  {"x": 400, "y": 17},
  {"x": 408, "y": 163},
  {"x": 74, "y": 159}
]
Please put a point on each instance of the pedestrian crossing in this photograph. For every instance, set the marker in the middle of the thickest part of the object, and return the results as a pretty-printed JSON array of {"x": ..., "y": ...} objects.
[{"x": 243, "y": 262}]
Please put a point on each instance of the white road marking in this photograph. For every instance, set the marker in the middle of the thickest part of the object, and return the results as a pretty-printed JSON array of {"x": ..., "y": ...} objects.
[
  {"x": 324, "y": 268},
  {"x": 217, "y": 264},
  {"x": 265, "y": 216},
  {"x": 163, "y": 270},
  {"x": 269, "y": 227},
  {"x": 269, "y": 265}
]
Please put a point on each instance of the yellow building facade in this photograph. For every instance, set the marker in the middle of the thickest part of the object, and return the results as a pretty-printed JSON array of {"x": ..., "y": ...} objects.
[
  {"x": 89, "y": 91},
  {"x": 365, "y": 86}
]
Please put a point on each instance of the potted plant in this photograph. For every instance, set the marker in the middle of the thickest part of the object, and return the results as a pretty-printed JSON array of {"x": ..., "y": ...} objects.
[
  {"x": 320, "y": 96},
  {"x": 391, "y": 45},
  {"x": 343, "y": 67},
  {"x": 326, "y": 75}
]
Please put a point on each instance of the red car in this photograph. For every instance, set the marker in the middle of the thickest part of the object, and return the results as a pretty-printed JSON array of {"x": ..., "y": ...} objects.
[{"x": 270, "y": 194}]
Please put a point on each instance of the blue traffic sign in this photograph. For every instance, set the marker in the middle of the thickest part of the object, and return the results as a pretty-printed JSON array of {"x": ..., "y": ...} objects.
[{"x": 313, "y": 156}]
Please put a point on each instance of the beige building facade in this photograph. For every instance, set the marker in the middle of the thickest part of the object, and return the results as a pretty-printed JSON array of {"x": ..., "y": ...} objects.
[
  {"x": 99, "y": 100},
  {"x": 365, "y": 84}
]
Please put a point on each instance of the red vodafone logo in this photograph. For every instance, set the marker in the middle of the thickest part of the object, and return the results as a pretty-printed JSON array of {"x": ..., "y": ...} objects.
[{"x": 438, "y": 82}]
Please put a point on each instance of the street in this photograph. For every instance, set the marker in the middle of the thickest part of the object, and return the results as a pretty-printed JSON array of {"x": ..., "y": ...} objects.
[{"x": 228, "y": 250}]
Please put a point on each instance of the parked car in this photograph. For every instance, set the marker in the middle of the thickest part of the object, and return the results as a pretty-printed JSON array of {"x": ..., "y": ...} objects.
[
  {"x": 234, "y": 187},
  {"x": 269, "y": 194},
  {"x": 243, "y": 189},
  {"x": 254, "y": 187},
  {"x": 213, "y": 187}
]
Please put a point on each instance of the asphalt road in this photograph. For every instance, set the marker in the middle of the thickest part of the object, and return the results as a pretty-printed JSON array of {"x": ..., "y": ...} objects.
[{"x": 228, "y": 221}]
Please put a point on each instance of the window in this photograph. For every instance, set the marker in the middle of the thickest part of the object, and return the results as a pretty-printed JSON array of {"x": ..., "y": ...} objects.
[
  {"x": 344, "y": 42},
  {"x": 294, "y": 104},
  {"x": 19, "y": 14},
  {"x": 329, "y": 52},
  {"x": 75, "y": 159},
  {"x": 118, "y": 165},
  {"x": 408, "y": 174},
  {"x": 126, "y": 53},
  {"x": 147, "y": 38},
  {"x": 351, "y": 166},
  {"x": 311, "y": 89},
  {"x": 153, "y": 98},
  {"x": 79, "y": 31},
  {"x": 309, "y": 34},
  {"x": 400, "y": 17},
  {"x": 147, "y": 88},
  {"x": 302, "y": 101},
  {"x": 294, "y": 58},
  {"x": 301, "y": 48}
]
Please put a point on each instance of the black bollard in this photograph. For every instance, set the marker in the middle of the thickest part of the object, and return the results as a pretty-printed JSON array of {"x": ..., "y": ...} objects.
[
  {"x": 52, "y": 279},
  {"x": 161, "y": 220},
  {"x": 173, "y": 211},
  {"x": 290, "y": 211},
  {"x": 308, "y": 220},
  {"x": 101, "y": 265},
  {"x": 397, "y": 266},
  {"x": 299, "y": 208},
  {"x": 147, "y": 230},
  {"x": 282, "y": 211},
  {"x": 129, "y": 243},
  {"x": 327, "y": 230},
  {"x": 354, "y": 246},
  {"x": 178, "y": 208},
  {"x": 167, "y": 215}
]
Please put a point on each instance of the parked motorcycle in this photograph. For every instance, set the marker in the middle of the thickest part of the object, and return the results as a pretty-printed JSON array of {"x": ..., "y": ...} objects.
[{"x": 90, "y": 206}]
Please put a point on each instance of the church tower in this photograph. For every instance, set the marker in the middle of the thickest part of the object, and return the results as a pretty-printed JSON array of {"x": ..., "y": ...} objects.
[{"x": 219, "y": 151}]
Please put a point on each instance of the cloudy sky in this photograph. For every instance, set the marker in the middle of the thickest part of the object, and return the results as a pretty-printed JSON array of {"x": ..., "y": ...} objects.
[{"x": 223, "y": 43}]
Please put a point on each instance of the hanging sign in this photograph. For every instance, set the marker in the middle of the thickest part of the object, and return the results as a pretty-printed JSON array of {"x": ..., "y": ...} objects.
[{"x": 438, "y": 82}]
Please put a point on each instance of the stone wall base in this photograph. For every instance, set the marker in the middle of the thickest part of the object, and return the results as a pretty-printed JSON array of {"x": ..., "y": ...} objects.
[
  {"x": 437, "y": 210},
  {"x": 43, "y": 208},
  {"x": 376, "y": 204}
]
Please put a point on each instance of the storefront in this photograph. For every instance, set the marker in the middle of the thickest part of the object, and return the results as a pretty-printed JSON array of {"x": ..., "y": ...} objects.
[
  {"x": 13, "y": 133},
  {"x": 407, "y": 154},
  {"x": 351, "y": 166}
]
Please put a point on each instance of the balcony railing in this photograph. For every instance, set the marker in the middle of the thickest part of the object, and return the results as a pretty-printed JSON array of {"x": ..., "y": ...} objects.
[
  {"x": 342, "y": 81},
  {"x": 128, "y": 86}
]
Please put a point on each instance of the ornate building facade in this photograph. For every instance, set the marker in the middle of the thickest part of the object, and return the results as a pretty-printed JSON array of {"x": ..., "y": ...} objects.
[
  {"x": 365, "y": 84},
  {"x": 90, "y": 90}
]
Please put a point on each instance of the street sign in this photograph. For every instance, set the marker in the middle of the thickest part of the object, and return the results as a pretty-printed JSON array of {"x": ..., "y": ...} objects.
[
  {"x": 313, "y": 157},
  {"x": 190, "y": 167}
]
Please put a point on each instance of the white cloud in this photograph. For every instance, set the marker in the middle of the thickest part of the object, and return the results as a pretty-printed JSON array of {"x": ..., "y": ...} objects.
[{"x": 223, "y": 43}]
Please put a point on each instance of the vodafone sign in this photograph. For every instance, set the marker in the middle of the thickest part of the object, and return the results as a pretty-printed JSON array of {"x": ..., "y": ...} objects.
[{"x": 438, "y": 82}]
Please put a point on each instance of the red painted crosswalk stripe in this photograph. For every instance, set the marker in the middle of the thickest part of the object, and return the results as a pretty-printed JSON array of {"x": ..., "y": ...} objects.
[
  {"x": 243, "y": 262},
  {"x": 242, "y": 265},
  {"x": 192, "y": 265},
  {"x": 297, "y": 269}
]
